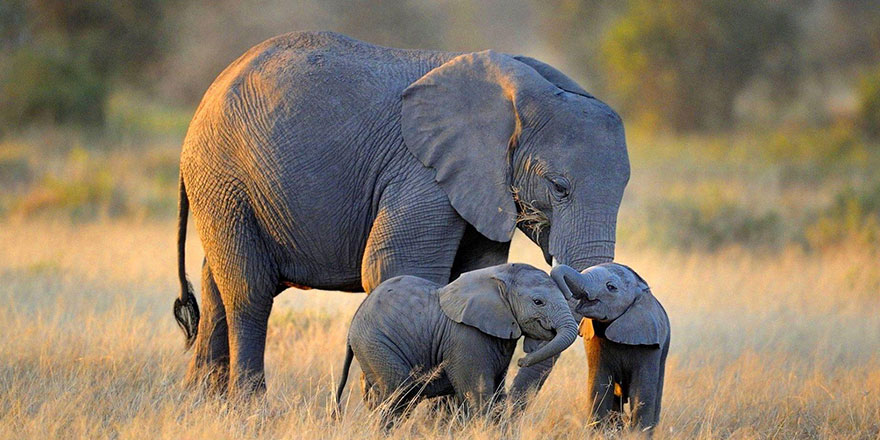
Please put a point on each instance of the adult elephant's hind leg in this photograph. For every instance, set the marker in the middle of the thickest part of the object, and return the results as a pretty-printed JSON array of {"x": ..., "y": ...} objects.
[
  {"x": 249, "y": 302},
  {"x": 247, "y": 279},
  {"x": 210, "y": 362}
]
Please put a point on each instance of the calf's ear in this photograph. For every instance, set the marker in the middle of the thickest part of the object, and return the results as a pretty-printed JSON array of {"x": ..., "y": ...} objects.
[
  {"x": 644, "y": 323},
  {"x": 480, "y": 301}
]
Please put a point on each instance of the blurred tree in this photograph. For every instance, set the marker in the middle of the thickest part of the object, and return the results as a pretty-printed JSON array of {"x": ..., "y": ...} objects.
[
  {"x": 60, "y": 57},
  {"x": 49, "y": 83},
  {"x": 683, "y": 62},
  {"x": 845, "y": 33},
  {"x": 209, "y": 34},
  {"x": 574, "y": 29}
]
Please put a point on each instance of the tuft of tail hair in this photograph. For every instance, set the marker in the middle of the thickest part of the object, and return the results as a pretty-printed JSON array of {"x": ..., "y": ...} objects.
[{"x": 186, "y": 309}]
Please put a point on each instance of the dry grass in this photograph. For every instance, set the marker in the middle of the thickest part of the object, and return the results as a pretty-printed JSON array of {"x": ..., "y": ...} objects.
[{"x": 782, "y": 345}]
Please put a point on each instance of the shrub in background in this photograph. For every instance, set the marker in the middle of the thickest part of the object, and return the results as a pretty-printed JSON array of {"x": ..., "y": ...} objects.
[
  {"x": 682, "y": 63},
  {"x": 710, "y": 223},
  {"x": 58, "y": 58},
  {"x": 869, "y": 103},
  {"x": 853, "y": 216},
  {"x": 49, "y": 83}
]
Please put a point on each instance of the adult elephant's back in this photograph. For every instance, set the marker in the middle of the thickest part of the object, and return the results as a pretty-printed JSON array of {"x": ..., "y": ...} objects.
[{"x": 303, "y": 131}]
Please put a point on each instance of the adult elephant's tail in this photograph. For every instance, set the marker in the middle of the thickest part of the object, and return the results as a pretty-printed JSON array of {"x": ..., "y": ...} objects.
[{"x": 186, "y": 309}]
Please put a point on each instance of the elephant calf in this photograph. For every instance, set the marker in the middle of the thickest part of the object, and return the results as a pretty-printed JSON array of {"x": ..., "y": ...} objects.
[
  {"x": 415, "y": 339},
  {"x": 626, "y": 340}
]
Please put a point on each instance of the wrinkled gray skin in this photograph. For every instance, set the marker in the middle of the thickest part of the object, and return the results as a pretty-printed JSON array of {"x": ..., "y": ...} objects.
[
  {"x": 464, "y": 334},
  {"x": 626, "y": 342},
  {"x": 316, "y": 160}
]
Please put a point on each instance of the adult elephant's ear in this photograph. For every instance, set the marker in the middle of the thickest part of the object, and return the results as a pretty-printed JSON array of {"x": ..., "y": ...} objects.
[
  {"x": 460, "y": 119},
  {"x": 553, "y": 75},
  {"x": 480, "y": 301}
]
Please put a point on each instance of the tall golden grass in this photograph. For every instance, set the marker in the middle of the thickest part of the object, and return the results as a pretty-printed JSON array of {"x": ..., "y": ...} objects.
[{"x": 765, "y": 345}]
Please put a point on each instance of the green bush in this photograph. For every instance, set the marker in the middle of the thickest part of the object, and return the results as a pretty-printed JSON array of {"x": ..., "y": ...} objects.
[
  {"x": 83, "y": 189},
  {"x": 854, "y": 215},
  {"x": 710, "y": 223},
  {"x": 869, "y": 103},
  {"x": 682, "y": 63},
  {"x": 58, "y": 58},
  {"x": 836, "y": 143},
  {"x": 15, "y": 168},
  {"x": 50, "y": 84}
]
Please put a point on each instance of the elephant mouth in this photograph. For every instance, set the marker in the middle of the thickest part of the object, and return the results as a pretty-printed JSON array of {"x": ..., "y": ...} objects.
[
  {"x": 585, "y": 304},
  {"x": 548, "y": 331}
]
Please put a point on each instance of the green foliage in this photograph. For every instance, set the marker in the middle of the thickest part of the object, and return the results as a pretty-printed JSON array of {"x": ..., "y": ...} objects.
[
  {"x": 119, "y": 37},
  {"x": 85, "y": 189},
  {"x": 712, "y": 222},
  {"x": 854, "y": 215},
  {"x": 683, "y": 62},
  {"x": 134, "y": 114},
  {"x": 817, "y": 150},
  {"x": 70, "y": 173},
  {"x": 869, "y": 103},
  {"x": 59, "y": 58},
  {"x": 49, "y": 83},
  {"x": 577, "y": 27}
]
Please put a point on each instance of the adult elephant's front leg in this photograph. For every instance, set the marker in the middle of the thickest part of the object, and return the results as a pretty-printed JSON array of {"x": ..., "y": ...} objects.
[{"x": 416, "y": 232}]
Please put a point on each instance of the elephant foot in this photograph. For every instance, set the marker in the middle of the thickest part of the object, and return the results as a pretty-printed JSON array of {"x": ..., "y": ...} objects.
[
  {"x": 213, "y": 380},
  {"x": 246, "y": 387}
]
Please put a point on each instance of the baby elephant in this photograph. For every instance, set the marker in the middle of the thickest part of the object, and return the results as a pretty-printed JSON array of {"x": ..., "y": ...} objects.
[
  {"x": 626, "y": 342},
  {"x": 414, "y": 338}
]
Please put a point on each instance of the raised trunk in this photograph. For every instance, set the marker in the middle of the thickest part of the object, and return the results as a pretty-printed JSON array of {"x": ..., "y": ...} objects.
[
  {"x": 566, "y": 333},
  {"x": 568, "y": 279}
]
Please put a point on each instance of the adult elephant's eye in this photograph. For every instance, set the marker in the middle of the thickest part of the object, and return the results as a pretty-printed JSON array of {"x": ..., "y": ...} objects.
[{"x": 560, "y": 187}]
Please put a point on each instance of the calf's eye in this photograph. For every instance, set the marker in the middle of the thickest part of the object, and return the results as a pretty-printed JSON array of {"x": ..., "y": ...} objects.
[
  {"x": 538, "y": 302},
  {"x": 610, "y": 287}
]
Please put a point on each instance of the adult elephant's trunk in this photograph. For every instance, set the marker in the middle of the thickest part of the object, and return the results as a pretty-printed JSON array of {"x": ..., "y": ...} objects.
[
  {"x": 566, "y": 333},
  {"x": 584, "y": 241}
]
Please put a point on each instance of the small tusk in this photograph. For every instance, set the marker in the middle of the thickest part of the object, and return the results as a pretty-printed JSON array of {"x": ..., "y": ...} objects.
[{"x": 555, "y": 262}]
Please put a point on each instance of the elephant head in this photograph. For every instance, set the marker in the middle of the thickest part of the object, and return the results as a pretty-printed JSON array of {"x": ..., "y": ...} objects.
[
  {"x": 514, "y": 142},
  {"x": 615, "y": 294},
  {"x": 509, "y": 301}
]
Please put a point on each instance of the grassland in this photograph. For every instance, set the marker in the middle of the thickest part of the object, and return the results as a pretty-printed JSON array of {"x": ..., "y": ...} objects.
[
  {"x": 764, "y": 251},
  {"x": 783, "y": 345}
]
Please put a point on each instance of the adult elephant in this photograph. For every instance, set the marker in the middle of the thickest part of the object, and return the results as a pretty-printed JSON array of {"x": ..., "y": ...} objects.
[{"x": 317, "y": 160}]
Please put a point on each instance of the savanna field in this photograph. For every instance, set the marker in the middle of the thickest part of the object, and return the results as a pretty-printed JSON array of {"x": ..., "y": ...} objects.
[{"x": 763, "y": 249}]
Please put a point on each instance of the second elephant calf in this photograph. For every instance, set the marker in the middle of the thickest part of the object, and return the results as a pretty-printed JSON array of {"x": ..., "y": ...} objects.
[{"x": 626, "y": 338}]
